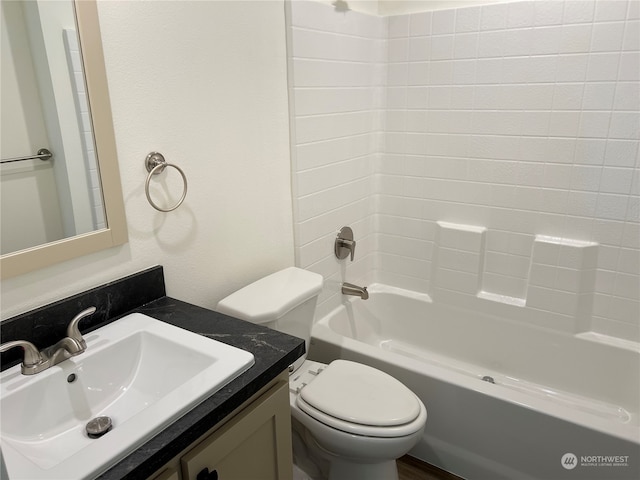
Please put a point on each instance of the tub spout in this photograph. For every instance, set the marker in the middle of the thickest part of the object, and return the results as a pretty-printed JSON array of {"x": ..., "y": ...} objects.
[{"x": 351, "y": 289}]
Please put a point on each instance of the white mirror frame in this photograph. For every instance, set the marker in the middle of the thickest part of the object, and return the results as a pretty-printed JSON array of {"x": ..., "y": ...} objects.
[{"x": 34, "y": 258}]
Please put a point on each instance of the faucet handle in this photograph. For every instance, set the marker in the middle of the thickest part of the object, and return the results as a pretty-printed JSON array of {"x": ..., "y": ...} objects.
[
  {"x": 73, "y": 331},
  {"x": 31, "y": 357},
  {"x": 345, "y": 244},
  {"x": 349, "y": 245}
]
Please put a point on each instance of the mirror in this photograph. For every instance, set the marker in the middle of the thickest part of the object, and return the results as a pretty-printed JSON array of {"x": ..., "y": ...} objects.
[{"x": 86, "y": 213}]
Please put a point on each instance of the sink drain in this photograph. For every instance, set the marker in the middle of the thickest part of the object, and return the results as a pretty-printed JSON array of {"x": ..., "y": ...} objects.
[{"x": 98, "y": 427}]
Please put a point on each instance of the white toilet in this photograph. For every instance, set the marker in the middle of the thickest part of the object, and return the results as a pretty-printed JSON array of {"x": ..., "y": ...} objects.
[{"x": 350, "y": 421}]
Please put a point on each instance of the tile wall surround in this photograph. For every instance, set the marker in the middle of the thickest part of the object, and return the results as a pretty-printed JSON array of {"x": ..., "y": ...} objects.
[
  {"x": 485, "y": 155},
  {"x": 337, "y": 69}
]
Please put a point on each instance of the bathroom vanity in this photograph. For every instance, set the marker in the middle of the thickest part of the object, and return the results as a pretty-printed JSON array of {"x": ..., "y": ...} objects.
[
  {"x": 247, "y": 419},
  {"x": 252, "y": 442}
]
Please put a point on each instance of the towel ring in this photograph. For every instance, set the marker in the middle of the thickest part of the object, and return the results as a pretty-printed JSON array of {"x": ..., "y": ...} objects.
[{"x": 155, "y": 164}]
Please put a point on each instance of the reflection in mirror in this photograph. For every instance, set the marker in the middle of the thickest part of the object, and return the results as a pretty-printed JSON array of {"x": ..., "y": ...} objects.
[
  {"x": 44, "y": 104},
  {"x": 52, "y": 72}
]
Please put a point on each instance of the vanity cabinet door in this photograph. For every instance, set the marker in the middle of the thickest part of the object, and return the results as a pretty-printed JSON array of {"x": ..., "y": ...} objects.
[
  {"x": 254, "y": 445},
  {"x": 169, "y": 474}
]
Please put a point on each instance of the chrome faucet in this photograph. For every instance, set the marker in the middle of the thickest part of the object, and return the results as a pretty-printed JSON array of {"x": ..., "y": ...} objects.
[
  {"x": 351, "y": 289},
  {"x": 73, "y": 344}
]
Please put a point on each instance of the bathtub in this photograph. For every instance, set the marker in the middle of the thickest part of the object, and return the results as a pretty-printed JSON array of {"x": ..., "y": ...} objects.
[{"x": 505, "y": 400}]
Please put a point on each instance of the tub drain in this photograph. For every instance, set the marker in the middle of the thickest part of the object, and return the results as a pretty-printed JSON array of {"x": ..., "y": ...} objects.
[
  {"x": 98, "y": 427},
  {"x": 489, "y": 379}
]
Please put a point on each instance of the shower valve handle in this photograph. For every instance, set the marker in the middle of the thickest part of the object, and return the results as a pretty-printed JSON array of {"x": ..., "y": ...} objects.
[{"x": 345, "y": 245}]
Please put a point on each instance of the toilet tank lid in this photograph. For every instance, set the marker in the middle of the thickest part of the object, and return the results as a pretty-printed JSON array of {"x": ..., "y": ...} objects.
[{"x": 273, "y": 296}]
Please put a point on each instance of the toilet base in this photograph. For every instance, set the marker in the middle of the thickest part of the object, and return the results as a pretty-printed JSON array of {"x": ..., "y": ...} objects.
[
  {"x": 318, "y": 464},
  {"x": 363, "y": 471},
  {"x": 310, "y": 465},
  {"x": 300, "y": 474}
]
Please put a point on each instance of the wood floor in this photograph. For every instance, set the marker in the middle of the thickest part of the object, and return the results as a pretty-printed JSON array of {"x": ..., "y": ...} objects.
[{"x": 410, "y": 468}]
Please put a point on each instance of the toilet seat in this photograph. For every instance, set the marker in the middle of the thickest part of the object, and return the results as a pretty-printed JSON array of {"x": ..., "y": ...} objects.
[{"x": 362, "y": 400}]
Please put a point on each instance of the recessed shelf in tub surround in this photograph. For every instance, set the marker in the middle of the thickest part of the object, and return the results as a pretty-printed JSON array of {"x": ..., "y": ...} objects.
[
  {"x": 144, "y": 292},
  {"x": 554, "y": 279}
]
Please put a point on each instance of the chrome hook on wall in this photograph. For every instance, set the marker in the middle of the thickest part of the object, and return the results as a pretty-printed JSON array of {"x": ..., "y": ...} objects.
[{"x": 155, "y": 164}]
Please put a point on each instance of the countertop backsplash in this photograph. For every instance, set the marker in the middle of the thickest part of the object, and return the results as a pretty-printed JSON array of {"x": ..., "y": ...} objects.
[{"x": 46, "y": 325}]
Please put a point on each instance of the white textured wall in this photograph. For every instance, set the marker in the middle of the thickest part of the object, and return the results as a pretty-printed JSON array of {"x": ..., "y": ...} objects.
[
  {"x": 509, "y": 175},
  {"x": 399, "y": 7},
  {"x": 205, "y": 84}
]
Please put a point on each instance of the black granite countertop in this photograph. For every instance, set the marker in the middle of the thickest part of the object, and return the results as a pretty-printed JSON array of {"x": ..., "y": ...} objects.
[{"x": 273, "y": 352}]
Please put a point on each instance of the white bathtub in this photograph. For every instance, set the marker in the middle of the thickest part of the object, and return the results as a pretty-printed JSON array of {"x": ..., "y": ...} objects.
[{"x": 554, "y": 394}]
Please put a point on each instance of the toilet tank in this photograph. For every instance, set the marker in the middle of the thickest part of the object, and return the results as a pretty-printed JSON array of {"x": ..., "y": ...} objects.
[{"x": 285, "y": 301}]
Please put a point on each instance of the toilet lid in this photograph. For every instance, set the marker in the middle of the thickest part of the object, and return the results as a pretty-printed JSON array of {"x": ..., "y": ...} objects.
[{"x": 360, "y": 394}]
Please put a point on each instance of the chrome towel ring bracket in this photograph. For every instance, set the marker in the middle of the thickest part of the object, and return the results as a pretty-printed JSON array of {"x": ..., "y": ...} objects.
[{"x": 155, "y": 164}]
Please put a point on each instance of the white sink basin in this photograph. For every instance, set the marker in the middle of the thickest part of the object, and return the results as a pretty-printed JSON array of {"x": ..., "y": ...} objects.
[{"x": 140, "y": 372}]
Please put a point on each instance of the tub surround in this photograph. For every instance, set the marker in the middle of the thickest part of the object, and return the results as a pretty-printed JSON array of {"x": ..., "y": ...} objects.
[
  {"x": 511, "y": 126},
  {"x": 144, "y": 292}
]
